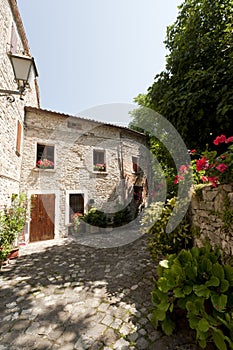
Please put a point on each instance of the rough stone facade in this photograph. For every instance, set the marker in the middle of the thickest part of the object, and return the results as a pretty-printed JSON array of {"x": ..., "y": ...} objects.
[
  {"x": 12, "y": 114},
  {"x": 212, "y": 215},
  {"x": 75, "y": 140}
]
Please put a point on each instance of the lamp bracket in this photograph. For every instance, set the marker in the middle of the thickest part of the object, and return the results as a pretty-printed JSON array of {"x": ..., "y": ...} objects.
[{"x": 8, "y": 94}]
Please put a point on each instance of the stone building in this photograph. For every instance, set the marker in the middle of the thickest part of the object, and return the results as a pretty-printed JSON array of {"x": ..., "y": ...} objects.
[
  {"x": 65, "y": 164},
  {"x": 13, "y": 41},
  {"x": 88, "y": 164}
]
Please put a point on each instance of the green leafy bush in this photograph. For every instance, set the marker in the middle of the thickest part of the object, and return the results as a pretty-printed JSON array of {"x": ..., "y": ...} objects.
[
  {"x": 95, "y": 217},
  {"x": 122, "y": 217},
  {"x": 12, "y": 222},
  {"x": 196, "y": 281},
  {"x": 159, "y": 241}
]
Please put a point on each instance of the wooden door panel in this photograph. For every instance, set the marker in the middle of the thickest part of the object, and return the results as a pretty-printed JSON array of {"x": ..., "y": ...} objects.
[{"x": 42, "y": 217}]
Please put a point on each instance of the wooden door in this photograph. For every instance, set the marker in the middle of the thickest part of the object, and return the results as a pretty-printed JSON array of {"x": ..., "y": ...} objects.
[{"x": 42, "y": 217}]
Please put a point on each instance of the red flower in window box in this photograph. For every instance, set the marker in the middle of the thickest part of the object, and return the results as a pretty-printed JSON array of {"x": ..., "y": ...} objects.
[
  {"x": 99, "y": 167},
  {"x": 45, "y": 164}
]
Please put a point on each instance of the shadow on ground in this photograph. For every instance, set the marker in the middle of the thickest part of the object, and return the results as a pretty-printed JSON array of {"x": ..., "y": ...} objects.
[{"x": 63, "y": 296}]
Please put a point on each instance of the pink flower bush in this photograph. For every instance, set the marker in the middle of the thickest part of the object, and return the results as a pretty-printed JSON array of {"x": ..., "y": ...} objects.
[{"x": 210, "y": 167}]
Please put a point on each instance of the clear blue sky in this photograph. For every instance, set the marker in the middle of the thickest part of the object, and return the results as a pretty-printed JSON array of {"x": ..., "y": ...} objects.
[{"x": 95, "y": 52}]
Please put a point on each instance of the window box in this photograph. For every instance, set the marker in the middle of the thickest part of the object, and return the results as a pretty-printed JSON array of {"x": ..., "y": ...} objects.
[
  {"x": 44, "y": 170},
  {"x": 99, "y": 167},
  {"x": 45, "y": 164}
]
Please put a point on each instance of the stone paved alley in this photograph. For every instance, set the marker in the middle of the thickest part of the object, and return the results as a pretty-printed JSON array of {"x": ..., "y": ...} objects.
[{"x": 63, "y": 295}]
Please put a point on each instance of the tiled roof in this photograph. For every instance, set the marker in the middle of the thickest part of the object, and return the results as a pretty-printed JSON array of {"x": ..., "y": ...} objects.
[{"x": 45, "y": 111}]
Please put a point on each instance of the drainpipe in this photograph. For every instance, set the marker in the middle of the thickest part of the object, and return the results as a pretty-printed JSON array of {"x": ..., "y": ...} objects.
[{"x": 121, "y": 155}]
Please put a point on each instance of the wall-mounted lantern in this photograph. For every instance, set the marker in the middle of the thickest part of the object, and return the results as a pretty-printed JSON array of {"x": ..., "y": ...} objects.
[{"x": 22, "y": 66}]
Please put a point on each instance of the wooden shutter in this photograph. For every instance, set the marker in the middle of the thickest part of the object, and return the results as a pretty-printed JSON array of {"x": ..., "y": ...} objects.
[
  {"x": 13, "y": 48},
  {"x": 18, "y": 140}
]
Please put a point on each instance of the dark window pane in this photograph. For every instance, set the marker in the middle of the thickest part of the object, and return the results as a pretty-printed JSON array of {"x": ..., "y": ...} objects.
[
  {"x": 45, "y": 152},
  {"x": 99, "y": 157}
]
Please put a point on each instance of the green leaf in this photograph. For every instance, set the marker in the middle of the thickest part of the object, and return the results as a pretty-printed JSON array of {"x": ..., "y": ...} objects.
[
  {"x": 224, "y": 286},
  {"x": 206, "y": 265},
  {"x": 171, "y": 307},
  {"x": 202, "y": 343},
  {"x": 218, "y": 271},
  {"x": 229, "y": 274},
  {"x": 179, "y": 293},
  {"x": 188, "y": 290},
  {"x": 192, "y": 308},
  {"x": 168, "y": 326},
  {"x": 219, "y": 302},
  {"x": 154, "y": 319},
  {"x": 195, "y": 251},
  {"x": 201, "y": 291},
  {"x": 218, "y": 338},
  {"x": 160, "y": 314},
  {"x": 203, "y": 325},
  {"x": 163, "y": 284},
  {"x": 163, "y": 306},
  {"x": 182, "y": 303},
  {"x": 191, "y": 272},
  {"x": 213, "y": 282},
  {"x": 193, "y": 321},
  {"x": 157, "y": 296}
]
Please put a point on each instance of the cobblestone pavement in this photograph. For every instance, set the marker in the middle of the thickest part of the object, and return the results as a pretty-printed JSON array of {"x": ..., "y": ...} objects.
[{"x": 63, "y": 295}]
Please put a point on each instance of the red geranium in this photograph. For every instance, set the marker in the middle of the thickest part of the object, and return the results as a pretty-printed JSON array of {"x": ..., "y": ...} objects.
[
  {"x": 220, "y": 139},
  {"x": 230, "y": 139},
  {"x": 202, "y": 164},
  {"x": 221, "y": 167},
  {"x": 213, "y": 180}
]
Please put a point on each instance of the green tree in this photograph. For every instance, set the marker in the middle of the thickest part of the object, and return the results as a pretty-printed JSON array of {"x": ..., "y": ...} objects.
[{"x": 195, "y": 92}]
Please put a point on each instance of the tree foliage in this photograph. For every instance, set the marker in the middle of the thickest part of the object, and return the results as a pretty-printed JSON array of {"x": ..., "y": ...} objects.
[{"x": 195, "y": 92}]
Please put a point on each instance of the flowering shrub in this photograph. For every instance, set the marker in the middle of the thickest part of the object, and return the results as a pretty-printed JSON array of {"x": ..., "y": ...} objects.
[
  {"x": 210, "y": 167},
  {"x": 45, "y": 164}
]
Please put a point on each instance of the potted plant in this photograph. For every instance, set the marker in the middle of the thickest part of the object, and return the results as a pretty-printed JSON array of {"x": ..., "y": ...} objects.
[{"x": 12, "y": 222}]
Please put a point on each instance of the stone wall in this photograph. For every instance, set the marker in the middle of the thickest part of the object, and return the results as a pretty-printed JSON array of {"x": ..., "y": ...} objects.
[
  {"x": 212, "y": 215},
  {"x": 73, "y": 171},
  {"x": 11, "y": 113}
]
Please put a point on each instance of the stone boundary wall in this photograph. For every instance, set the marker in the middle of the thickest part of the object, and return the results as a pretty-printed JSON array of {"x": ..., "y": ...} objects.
[{"x": 211, "y": 213}]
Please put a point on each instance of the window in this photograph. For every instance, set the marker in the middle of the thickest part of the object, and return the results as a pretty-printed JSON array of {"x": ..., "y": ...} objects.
[
  {"x": 99, "y": 160},
  {"x": 45, "y": 156},
  {"x": 135, "y": 164},
  {"x": 76, "y": 202},
  {"x": 18, "y": 138}
]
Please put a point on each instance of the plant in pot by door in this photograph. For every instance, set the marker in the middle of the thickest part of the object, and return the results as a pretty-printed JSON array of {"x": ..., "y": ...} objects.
[
  {"x": 12, "y": 222},
  {"x": 76, "y": 221}
]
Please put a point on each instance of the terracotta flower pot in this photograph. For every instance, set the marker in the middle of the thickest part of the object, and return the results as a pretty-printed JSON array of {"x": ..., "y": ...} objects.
[{"x": 13, "y": 254}]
